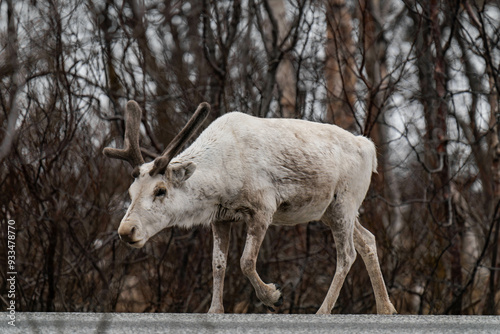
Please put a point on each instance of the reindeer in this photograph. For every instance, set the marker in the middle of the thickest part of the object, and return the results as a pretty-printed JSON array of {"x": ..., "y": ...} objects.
[{"x": 260, "y": 172}]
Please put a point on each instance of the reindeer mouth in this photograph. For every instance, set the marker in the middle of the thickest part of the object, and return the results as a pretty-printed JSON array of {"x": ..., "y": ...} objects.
[{"x": 137, "y": 243}]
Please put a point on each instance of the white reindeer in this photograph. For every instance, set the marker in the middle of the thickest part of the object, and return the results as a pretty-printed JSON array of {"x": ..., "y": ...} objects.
[{"x": 244, "y": 169}]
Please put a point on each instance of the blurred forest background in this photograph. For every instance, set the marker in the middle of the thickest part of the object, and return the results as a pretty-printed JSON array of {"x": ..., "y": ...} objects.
[{"x": 420, "y": 77}]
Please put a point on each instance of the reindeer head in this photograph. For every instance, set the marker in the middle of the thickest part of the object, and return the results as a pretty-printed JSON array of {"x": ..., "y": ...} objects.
[{"x": 156, "y": 192}]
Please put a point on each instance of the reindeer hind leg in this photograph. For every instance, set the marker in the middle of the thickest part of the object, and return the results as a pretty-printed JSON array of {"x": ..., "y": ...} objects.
[
  {"x": 364, "y": 241},
  {"x": 342, "y": 227}
]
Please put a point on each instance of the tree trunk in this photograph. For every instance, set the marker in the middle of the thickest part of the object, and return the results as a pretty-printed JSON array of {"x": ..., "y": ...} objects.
[
  {"x": 339, "y": 68},
  {"x": 285, "y": 74},
  {"x": 439, "y": 138}
]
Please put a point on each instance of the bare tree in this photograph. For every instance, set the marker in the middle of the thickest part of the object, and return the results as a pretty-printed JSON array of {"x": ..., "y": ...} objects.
[
  {"x": 418, "y": 77},
  {"x": 340, "y": 70}
]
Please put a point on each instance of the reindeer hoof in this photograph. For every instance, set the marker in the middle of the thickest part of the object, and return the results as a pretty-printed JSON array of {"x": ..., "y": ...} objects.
[
  {"x": 274, "y": 298},
  {"x": 280, "y": 301}
]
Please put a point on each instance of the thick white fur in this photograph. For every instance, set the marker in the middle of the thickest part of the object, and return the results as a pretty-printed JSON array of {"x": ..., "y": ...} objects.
[{"x": 261, "y": 172}]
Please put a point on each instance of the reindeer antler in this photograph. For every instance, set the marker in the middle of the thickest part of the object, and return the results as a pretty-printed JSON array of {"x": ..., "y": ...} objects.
[
  {"x": 161, "y": 163},
  {"x": 132, "y": 151}
]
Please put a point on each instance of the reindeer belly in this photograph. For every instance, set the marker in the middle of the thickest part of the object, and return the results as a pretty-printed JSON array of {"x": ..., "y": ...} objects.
[{"x": 300, "y": 210}]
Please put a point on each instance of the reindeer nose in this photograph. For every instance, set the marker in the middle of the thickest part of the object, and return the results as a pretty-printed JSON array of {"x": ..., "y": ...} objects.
[{"x": 127, "y": 234}]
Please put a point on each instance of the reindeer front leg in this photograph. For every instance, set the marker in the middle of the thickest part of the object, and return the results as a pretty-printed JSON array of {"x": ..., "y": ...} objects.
[
  {"x": 219, "y": 260},
  {"x": 269, "y": 294}
]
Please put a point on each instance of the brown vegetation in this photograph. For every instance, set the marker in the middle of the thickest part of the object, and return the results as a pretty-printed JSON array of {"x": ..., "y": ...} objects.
[{"x": 421, "y": 78}]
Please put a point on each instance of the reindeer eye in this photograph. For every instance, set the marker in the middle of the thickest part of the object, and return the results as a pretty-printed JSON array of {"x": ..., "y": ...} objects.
[{"x": 160, "y": 192}]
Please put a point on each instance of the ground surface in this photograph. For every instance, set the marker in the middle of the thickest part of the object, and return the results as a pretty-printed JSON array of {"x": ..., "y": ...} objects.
[{"x": 75, "y": 323}]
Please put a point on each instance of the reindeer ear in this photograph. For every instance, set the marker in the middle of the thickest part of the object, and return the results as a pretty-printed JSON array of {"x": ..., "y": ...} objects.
[{"x": 180, "y": 172}]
